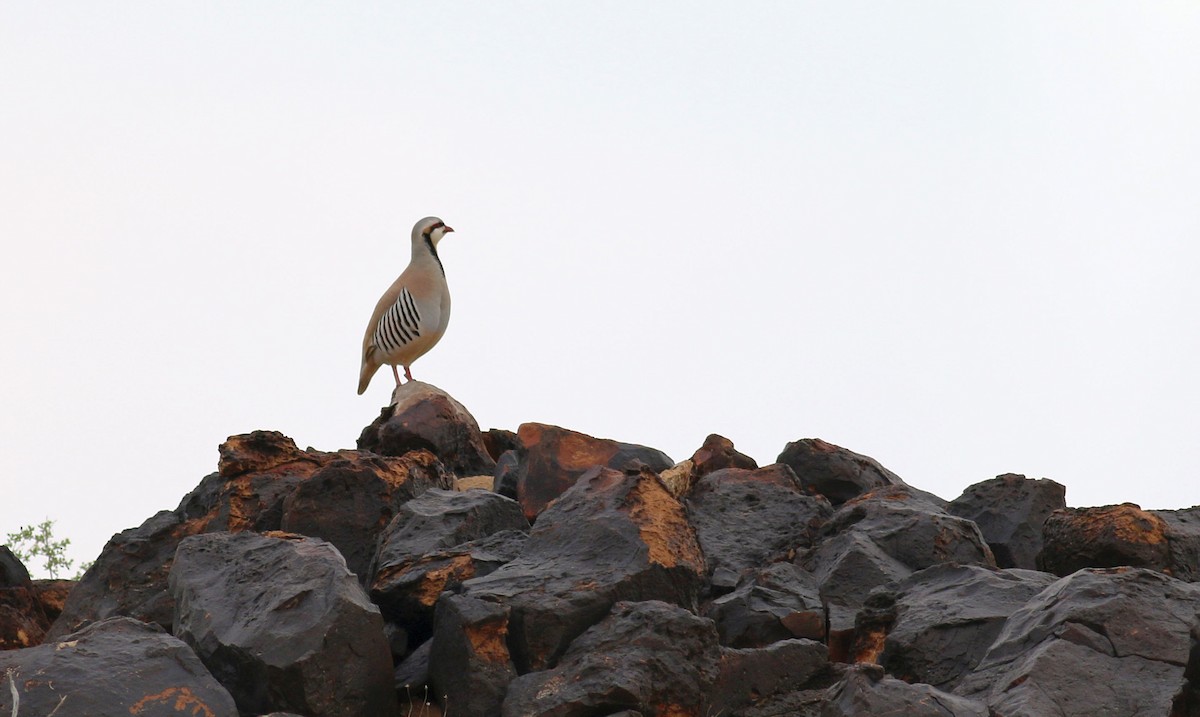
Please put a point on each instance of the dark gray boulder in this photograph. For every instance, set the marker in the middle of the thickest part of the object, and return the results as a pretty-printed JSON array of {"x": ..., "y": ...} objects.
[
  {"x": 128, "y": 578},
  {"x": 116, "y": 667},
  {"x": 1010, "y": 510},
  {"x": 911, "y": 528},
  {"x": 1098, "y": 642},
  {"x": 439, "y": 519},
  {"x": 866, "y": 691},
  {"x": 1187, "y": 700},
  {"x": 743, "y": 518},
  {"x": 647, "y": 656},
  {"x": 257, "y": 474},
  {"x": 412, "y": 674},
  {"x": 470, "y": 664},
  {"x": 837, "y": 473},
  {"x": 847, "y": 567},
  {"x": 881, "y": 537},
  {"x": 660, "y": 659},
  {"x": 611, "y": 537},
  {"x": 936, "y": 625},
  {"x": 749, "y": 677},
  {"x": 1183, "y": 530},
  {"x": 283, "y": 624},
  {"x": 407, "y": 595},
  {"x": 779, "y": 602},
  {"x": 350, "y": 501}
]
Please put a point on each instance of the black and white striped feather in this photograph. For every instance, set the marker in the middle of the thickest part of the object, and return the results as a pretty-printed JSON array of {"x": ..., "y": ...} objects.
[{"x": 399, "y": 325}]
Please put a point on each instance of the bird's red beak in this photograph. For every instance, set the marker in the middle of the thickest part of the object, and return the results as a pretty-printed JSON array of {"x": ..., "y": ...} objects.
[{"x": 447, "y": 229}]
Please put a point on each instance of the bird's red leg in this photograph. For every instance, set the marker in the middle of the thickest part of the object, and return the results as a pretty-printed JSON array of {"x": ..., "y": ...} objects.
[
  {"x": 407, "y": 374},
  {"x": 396, "y": 374}
]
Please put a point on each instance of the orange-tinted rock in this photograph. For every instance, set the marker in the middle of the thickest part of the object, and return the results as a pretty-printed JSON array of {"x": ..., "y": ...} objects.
[
  {"x": 353, "y": 498},
  {"x": 408, "y": 590},
  {"x": 257, "y": 452},
  {"x": 23, "y": 622},
  {"x": 612, "y": 536},
  {"x": 718, "y": 453},
  {"x": 424, "y": 417},
  {"x": 349, "y": 501},
  {"x": 552, "y": 459},
  {"x": 499, "y": 441},
  {"x": 469, "y": 662},
  {"x": 52, "y": 594},
  {"x": 1105, "y": 537}
]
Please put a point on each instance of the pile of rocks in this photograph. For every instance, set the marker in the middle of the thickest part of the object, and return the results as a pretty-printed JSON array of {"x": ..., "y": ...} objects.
[{"x": 591, "y": 577}]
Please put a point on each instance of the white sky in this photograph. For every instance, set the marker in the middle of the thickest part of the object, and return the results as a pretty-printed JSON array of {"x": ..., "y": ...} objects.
[{"x": 962, "y": 238}]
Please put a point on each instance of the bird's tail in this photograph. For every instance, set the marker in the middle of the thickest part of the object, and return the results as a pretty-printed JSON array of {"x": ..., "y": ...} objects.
[{"x": 369, "y": 367}]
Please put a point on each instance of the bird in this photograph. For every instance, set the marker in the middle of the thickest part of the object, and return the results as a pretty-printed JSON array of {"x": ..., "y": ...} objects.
[{"x": 412, "y": 314}]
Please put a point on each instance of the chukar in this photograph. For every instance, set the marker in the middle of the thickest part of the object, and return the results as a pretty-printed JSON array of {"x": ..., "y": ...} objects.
[{"x": 411, "y": 316}]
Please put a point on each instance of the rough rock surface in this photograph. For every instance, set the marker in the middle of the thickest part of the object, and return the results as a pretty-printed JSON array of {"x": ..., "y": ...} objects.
[
  {"x": 114, "y": 668},
  {"x": 837, "y": 473},
  {"x": 424, "y": 417},
  {"x": 1098, "y": 642},
  {"x": 437, "y": 541},
  {"x": 283, "y": 624},
  {"x": 552, "y": 459},
  {"x": 256, "y": 475},
  {"x": 769, "y": 583},
  {"x": 752, "y": 676},
  {"x": 866, "y": 691},
  {"x": 660, "y": 659},
  {"x": 440, "y": 519},
  {"x": 1108, "y": 537},
  {"x": 652, "y": 657},
  {"x": 613, "y": 536},
  {"x": 23, "y": 621},
  {"x": 745, "y": 518},
  {"x": 1010, "y": 510},
  {"x": 715, "y": 454},
  {"x": 499, "y": 441},
  {"x": 909, "y": 528},
  {"x": 779, "y": 602},
  {"x": 470, "y": 664},
  {"x": 936, "y": 625},
  {"x": 1187, "y": 700},
  {"x": 408, "y": 594},
  {"x": 52, "y": 595},
  {"x": 879, "y": 537},
  {"x": 12, "y": 571},
  {"x": 349, "y": 501},
  {"x": 1183, "y": 532}
]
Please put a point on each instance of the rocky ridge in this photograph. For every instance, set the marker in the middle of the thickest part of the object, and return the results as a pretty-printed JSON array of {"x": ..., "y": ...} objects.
[{"x": 592, "y": 577}]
